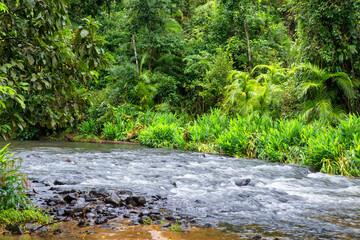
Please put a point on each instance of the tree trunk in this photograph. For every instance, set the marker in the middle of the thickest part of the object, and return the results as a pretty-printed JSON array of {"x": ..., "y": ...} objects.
[
  {"x": 136, "y": 60},
  {"x": 150, "y": 59},
  {"x": 248, "y": 44}
]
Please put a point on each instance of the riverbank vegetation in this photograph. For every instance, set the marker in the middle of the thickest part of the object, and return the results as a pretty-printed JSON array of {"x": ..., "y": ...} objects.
[
  {"x": 269, "y": 79},
  {"x": 16, "y": 209}
]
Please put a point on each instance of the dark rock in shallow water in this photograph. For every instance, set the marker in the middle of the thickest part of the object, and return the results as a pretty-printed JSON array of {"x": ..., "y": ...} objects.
[
  {"x": 14, "y": 229},
  {"x": 144, "y": 213},
  {"x": 81, "y": 223},
  {"x": 206, "y": 225},
  {"x": 70, "y": 197},
  {"x": 69, "y": 181},
  {"x": 166, "y": 225},
  {"x": 113, "y": 199},
  {"x": 242, "y": 182},
  {"x": 135, "y": 222},
  {"x": 101, "y": 220},
  {"x": 142, "y": 201},
  {"x": 135, "y": 201},
  {"x": 59, "y": 231}
]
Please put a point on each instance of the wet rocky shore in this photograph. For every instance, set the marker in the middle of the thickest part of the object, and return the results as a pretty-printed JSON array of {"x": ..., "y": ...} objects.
[{"x": 97, "y": 207}]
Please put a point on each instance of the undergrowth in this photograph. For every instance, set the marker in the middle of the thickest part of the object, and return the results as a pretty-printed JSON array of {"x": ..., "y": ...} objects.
[{"x": 21, "y": 217}]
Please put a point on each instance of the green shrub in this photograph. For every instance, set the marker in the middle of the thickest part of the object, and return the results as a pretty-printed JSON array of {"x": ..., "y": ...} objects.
[
  {"x": 347, "y": 130},
  {"x": 13, "y": 184},
  {"x": 158, "y": 136},
  {"x": 164, "y": 132},
  {"x": 89, "y": 128},
  {"x": 239, "y": 138},
  {"x": 110, "y": 131},
  {"x": 119, "y": 130},
  {"x": 282, "y": 142}
]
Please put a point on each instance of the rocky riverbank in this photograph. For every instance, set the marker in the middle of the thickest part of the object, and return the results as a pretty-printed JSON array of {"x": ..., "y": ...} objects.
[{"x": 100, "y": 208}]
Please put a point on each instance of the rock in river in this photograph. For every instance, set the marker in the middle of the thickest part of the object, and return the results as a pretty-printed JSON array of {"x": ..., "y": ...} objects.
[{"x": 242, "y": 182}]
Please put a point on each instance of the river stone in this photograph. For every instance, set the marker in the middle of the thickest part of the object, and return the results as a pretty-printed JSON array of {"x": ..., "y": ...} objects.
[
  {"x": 14, "y": 229},
  {"x": 90, "y": 215},
  {"x": 60, "y": 212},
  {"x": 81, "y": 223},
  {"x": 81, "y": 207},
  {"x": 101, "y": 220},
  {"x": 70, "y": 197},
  {"x": 142, "y": 201},
  {"x": 166, "y": 225},
  {"x": 242, "y": 182},
  {"x": 69, "y": 181},
  {"x": 113, "y": 199},
  {"x": 144, "y": 213},
  {"x": 131, "y": 201}
]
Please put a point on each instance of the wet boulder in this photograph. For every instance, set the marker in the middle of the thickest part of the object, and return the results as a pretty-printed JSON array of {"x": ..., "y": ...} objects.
[
  {"x": 69, "y": 181},
  {"x": 101, "y": 220},
  {"x": 113, "y": 199},
  {"x": 242, "y": 182},
  {"x": 71, "y": 197},
  {"x": 136, "y": 201}
]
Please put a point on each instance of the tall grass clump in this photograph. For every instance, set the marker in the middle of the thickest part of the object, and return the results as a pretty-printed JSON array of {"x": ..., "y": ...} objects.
[
  {"x": 164, "y": 132},
  {"x": 208, "y": 127},
  {"x": 336, "y": 150},
  {"x": 240, "y": 137},
  {"x": 203, "y": 132}
]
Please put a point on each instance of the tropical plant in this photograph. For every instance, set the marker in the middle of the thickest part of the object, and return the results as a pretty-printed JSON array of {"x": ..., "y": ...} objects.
[
  {"x": 13, "y": 184},
  {"x": 273, "y": 75},
  {"x": 89, "y": 128},
  {"x": 242, "y": 92},
  {"x": 322, "y": 92}
]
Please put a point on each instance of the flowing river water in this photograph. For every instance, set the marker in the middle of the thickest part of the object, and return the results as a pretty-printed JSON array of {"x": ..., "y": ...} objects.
[{"x": 279, "y": 198}]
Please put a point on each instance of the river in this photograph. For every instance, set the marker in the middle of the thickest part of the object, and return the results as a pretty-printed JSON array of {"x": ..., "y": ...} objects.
[{"x": 279, "y": 198}]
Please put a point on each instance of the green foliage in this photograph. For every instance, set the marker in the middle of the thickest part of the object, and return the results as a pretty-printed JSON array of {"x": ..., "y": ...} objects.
[
  {"x": 13, "y": 185},
  {"x": 216, "y": 79},
  {"x": 208, "y": 127},
  {"x": 163, "y": 132},
  {"x": 328, "y": 33},
  {"x": 122, "y": 125},
  {"x": 46, "y": 63},
  {"x": 327, "y": 149},
  {"x": 89, "y": 127},
  {"x": 21, "y": 217},
  {"x": 176, "y": 227},
  {"x": 323, "y": 92}
]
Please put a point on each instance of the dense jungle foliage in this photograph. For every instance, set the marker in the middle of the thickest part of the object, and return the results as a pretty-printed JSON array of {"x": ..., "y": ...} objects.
[{"x": 269, "y": 79}]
